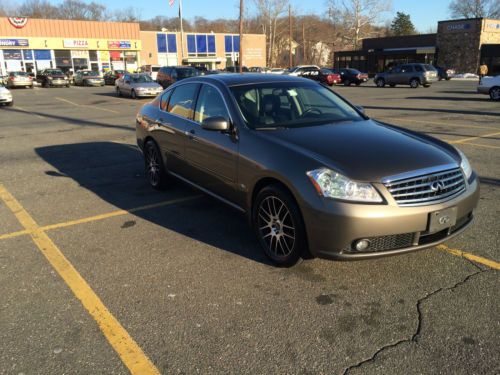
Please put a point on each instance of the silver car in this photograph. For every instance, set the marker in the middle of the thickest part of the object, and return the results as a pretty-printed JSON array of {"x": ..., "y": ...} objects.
[{"x": 137, "y": 85}]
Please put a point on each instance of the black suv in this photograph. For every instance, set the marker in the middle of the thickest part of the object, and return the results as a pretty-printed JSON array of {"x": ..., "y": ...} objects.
[
  {"x": 52, "y": 78},
  {"x": 171, "y": 74},
  {"x": 349, "y": 76},
  {"x": 407, "y": 74}
]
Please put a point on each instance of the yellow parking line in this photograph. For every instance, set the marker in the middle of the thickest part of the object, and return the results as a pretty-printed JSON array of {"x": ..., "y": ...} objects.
[
  {"x": 130, "y": 353},
  {"x": 86, "y": 105},
  {"x": 100, "y": 217},
  {"x": 479, "y": 145},
  {"x": 463, "y": 140},
  {"x": 472, "y": 257}
]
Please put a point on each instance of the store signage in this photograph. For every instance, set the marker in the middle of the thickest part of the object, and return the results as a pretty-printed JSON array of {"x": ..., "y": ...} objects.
[
  {"x": 119, "y": 44},
  {"x": 18, "y": 22},
  {"x": 493, "y": 26},
  {"x": 459, "y": 27},
  {"x": 75, "y": 43},
  {"x": 14, "y": 43},
  {"x": 15, "y": 54}
]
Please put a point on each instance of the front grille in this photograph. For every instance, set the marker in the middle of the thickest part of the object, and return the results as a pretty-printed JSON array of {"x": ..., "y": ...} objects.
[{"x": 428, "y": 188}]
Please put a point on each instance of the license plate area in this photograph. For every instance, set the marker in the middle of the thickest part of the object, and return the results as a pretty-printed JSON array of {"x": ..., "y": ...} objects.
[{"x": 443, "y": 219}]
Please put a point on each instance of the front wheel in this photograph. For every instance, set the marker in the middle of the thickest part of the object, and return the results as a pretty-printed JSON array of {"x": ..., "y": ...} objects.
[
  {"x": 495, "y": 93},
  {"x": 380, "y": 82},
  {"x": 10, "y": 104},
  {"x": 347, "y": 83},
  {"x": 414, "y": 83},
  {"x": 278, "y": 224},
  {"x": 154, "y": 168}
]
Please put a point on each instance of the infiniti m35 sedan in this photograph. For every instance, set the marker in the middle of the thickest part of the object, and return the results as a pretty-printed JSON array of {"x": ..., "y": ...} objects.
[{"x": 313, "y": 174}]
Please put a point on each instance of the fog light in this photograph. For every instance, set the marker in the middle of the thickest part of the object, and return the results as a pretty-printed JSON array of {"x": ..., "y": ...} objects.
[{"x": 361, "y": 245}]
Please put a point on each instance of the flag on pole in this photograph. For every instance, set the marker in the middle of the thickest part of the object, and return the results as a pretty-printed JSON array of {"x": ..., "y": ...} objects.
[{"x": 171, "y": 2}]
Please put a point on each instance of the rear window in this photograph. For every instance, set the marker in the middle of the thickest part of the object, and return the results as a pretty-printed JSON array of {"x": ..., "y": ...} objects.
[
  {"x": 187, "y": 72},
  {"x": 353, "y": 71},
  {"x": 19, "y": 74}
]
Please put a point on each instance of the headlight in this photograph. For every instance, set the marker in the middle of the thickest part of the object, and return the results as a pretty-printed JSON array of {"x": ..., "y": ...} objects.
[
  {"x": 464, "y": 164},
  {"x": 49, "y": 78},
  {"x": 331, "y": 184}
]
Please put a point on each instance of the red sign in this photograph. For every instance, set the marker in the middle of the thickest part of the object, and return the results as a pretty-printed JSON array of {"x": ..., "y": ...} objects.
[{"x": 18, "y": 22}]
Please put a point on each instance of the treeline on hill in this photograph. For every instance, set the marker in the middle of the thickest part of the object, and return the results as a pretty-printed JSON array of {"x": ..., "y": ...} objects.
[{"x": 314, "y": 37}]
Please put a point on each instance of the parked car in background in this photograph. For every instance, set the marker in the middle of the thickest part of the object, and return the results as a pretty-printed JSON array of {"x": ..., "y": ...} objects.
[
  {"x": 277, "y": 71},
  {"x": 298, "y": 70},
  {"x": 152, "y": 70},
  {"x": 3, "y": 79},
  {"x": 52, "y": 78},
  {"x": 351, "y": 76},
  {"x": 407, "y": 74},
  {"x": 490, "y": 86},
  {"x": 5, "y": 96},
  {"x": 171, "y": 74},
  {"x": 19, "y": 79},
  {"x": 259, "y": 69},
  {"x": 320, "y": 75},
  {"x": 112, "y": 75},
  {"x": 208, "y": 72},
  {"x": 137, "y": 85},
  {"x": 444, "y": 73},
  {"x": 311, "y": 172},
  {"x": 332, "y": 78},
  {"x": 88, "y": 78},
  {"x": 236, "y": 69}
]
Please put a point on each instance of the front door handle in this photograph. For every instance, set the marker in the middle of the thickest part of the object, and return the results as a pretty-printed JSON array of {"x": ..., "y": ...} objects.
[{"x": 190, "y": 134}]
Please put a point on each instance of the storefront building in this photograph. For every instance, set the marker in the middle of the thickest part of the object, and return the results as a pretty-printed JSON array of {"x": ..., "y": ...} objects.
[
  {"x": 461, "y": 45},
  {"x": 34, "y": 44},
  {"x": 210, "y": 50}
]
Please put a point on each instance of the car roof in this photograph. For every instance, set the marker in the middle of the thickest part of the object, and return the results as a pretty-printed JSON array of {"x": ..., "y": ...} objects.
[{"x": 235, "y": 79}]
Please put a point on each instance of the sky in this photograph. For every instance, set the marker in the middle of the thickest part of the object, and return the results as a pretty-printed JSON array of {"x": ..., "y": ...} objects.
[{"x": 424, "y": 13}]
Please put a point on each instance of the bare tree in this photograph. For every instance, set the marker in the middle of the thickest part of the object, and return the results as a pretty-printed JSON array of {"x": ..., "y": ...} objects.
[
  {"x": 268, "y": 14},
  {"x": 38, "y": 9},
  {"x": 358, "y": 16},
  {"x": 129, "y": 14},
  {"x": 80, "y": 10},
  {"x": 475, "y": 8}
]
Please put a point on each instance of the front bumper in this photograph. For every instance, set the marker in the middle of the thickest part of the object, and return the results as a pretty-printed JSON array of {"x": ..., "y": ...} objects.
[
  {"x": 20, "y": 83},
  {"x": 147, "y": 94},
  {"x": 94, "y": 83},
  {"x": 333, "y": 228},
  {"x": 5, "y": 99},
  {"x": 483, "y": 90},
  {"x": 58, "y": 82}
]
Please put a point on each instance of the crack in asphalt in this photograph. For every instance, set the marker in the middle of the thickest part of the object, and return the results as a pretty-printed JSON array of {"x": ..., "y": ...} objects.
[{"x": 416, "y": 335}]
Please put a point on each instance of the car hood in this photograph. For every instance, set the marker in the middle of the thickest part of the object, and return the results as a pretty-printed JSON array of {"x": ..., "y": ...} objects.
[
  {"x": 364, "y": 150},
  {"x": 3, "y": 90},
  {"x": 146, "y": 85}
]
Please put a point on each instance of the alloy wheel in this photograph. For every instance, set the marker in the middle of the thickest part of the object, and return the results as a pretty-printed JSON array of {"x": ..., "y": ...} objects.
[
  {"x": 153, "y": 166},
  {"x": 495, "y": 93},
  {"x": 276, "y": 226}
]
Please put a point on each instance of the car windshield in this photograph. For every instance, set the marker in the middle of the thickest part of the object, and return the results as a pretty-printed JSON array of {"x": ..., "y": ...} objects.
[
  {"x": 143, "y": 78},
  {"x": 326, "y": 71},
  {"x": 291, "y": 105},
  {"x": 119, "y": 71},
  {"x": 54, "y": 71},
  {"x": 90, "y": 74},
  {"x": 429, "y": 68},
  {"x": 187, "y": 72},
  {"x": 353, "y": 71}
]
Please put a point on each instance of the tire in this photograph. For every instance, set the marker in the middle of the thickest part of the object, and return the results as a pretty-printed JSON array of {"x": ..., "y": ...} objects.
[
  {"x": 495, "y": 93},
  {"x": 133, "y": 95},
  {"x": 347, "y": 82},
  {"x": 10, "y": 104},
  {"x": 153, "y": 166},
  {"x": 427, "y": 86},
  {"x": 278, "y": 225},
  {"x": 119, "y": 92},
  {"x": 392, "y": 85},
  {"x": 358, "y": 84},
  {"x": 414, "y": 83},
  {"x": 380, "y": 82}
]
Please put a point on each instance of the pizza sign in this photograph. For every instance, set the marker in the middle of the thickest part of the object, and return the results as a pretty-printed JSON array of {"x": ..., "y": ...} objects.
[{"x": 18, "y": 22}]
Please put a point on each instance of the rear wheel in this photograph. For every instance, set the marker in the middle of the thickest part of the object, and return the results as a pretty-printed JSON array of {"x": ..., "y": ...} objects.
[
  {"x": 154, "y": 168},
  {"x": 278, "y": 224},
  {"x": 347, "y": 82},
  {"x": 495, "y": 93},
  {"x": 414, "y": 83},
  {"x": 380, "y": 82}
]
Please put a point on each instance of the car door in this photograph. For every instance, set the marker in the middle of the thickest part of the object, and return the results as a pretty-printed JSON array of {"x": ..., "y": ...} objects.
[
  {"x": 212, "y": 155},
  {"x": 125, "y": 84},
  {"x": 406, "y": 74},
  {"x": 174, "y": 114},
  {"x": 393, "y": 75}
]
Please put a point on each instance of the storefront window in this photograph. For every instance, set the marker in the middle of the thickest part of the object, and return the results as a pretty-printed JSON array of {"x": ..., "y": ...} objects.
[{"x": 93, "y": 55}]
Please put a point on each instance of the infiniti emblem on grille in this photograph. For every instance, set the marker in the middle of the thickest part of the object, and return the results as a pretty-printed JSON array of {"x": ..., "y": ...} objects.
[
  {"x": 444, "y": 220},
  {"x": 437, "y": 186}
]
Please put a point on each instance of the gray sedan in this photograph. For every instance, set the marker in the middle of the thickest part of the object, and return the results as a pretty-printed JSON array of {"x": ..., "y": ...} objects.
[{"x": 137, "y": 85}]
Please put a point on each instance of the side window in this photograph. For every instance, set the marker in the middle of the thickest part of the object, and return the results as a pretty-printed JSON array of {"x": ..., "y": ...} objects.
[
  {"x": 182, "y": 99},
  {"x": 419, "y": 68},
  {"x": 406, "y": 69},
  {"x": 396, "y": 70},
  {"x": 210, "y": 104},
  {"x": 164, "y": 100}
]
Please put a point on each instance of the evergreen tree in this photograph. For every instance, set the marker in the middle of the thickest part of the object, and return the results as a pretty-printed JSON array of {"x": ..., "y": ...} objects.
[{"x": 402, "y": 25}]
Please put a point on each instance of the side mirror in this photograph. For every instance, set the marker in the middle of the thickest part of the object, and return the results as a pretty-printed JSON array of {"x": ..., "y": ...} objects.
[
  {"x": 361, "y": 109},
  {"x": 217, "y": 123}
]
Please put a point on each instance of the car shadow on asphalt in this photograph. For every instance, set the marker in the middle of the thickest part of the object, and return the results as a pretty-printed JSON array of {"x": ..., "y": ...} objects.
[{"x": 115, "y": 173}]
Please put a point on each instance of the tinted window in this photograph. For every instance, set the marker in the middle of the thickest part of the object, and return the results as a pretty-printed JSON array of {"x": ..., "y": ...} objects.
[
  {"x": 353, "y": 71},
  {"x": 406, "y": 68},
  {"x": 210, "y": 104},
  {"x": 182, "y": 99},
  {"x": 419, "y": 68},
  {"x": 291, "y": 104},
  {"x": 187, "y": 72}
]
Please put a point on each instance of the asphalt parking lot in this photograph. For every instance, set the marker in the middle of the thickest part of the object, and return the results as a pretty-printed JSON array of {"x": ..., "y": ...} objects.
[{"x": 102, "y": 275}]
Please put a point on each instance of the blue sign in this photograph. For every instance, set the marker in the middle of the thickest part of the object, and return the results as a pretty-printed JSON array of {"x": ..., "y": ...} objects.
[
  {"x": 42, "y": 54},
  {"x": 28, "y": 54},
  {"x": 14, "y": 43},
  {"x": 124, "y": 44}
]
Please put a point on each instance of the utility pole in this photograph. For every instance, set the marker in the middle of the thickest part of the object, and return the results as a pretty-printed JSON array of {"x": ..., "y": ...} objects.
[
  {"x": 241, "y": 37},
  {"x": 304, "y": 43},
  {"x": 290, "y": 62},
  {"x": 182, "y": 32}
]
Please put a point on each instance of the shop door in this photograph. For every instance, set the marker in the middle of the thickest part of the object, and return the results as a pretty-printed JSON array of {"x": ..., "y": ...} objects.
[{"x": 94, "y": 67}]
